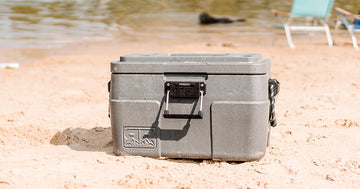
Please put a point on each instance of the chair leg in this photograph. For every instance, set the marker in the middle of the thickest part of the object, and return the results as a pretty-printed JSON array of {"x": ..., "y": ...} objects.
[
  {"x": 350, "y": 30},
  {"x": 336, "y": 29},
  {"x": 353, "y": 38},
  {"x": 328, "y": 35},
  {"x": 337, "y": 24},
  {"x": 288, "y": 36},
  {"x": 327, "y": 31}
]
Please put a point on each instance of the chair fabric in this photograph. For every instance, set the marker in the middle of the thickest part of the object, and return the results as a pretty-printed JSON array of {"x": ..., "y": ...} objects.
[
  {"x": 357, "y": 22},
  {"x": 311, "y": 8}
]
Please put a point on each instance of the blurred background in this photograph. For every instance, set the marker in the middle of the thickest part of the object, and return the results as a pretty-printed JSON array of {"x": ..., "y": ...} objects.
[{"x": 47, "y": 24}]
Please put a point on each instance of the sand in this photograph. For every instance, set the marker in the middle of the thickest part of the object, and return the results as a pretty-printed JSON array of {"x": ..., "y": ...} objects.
[{"x": 55, "y": 133}]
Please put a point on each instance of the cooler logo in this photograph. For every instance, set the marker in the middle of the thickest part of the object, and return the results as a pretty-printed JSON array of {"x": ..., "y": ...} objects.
[{"x": 139, "y": 137}]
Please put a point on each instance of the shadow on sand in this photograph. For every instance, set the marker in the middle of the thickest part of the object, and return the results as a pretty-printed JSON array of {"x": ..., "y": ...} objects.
[
  {"x": 82, "y": 139},
  {"x": 99, "y": 139}
]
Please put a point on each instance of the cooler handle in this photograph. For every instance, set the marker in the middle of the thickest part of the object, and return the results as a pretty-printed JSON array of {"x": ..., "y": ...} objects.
[{"x": 185, "y": 90}]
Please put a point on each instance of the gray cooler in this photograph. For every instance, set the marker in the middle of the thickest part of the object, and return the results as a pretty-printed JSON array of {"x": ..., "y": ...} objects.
[{"x": 207, "y": 106}]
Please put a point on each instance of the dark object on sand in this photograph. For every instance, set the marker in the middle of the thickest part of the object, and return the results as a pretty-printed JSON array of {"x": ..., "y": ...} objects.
[{"x": 205, "y": 19}]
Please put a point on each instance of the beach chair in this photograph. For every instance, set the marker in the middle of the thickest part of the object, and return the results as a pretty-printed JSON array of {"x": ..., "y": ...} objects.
[
  {"x": 343, "y": 15},
  {"x": 316, "y": 9}
]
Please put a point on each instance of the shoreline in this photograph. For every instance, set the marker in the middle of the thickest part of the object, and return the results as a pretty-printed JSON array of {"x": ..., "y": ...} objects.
[{"x": 232, "y": 40}]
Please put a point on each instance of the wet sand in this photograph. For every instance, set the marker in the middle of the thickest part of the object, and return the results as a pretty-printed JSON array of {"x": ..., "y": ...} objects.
[{"x": 55, "y": 133}]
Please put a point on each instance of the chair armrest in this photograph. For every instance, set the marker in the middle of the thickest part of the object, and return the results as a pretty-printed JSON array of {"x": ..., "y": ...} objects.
[
  {"x": 346, "y": 13},
  {"x": 276, "y": 12}
]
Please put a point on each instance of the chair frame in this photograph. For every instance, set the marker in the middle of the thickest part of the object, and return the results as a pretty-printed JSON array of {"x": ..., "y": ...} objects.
[
  {"x": 288, "y": 27},
  {"x": 342, "y": 18}
]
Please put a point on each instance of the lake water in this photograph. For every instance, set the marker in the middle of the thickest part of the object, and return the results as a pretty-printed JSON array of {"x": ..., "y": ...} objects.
[{"x": 55, "y": 23}]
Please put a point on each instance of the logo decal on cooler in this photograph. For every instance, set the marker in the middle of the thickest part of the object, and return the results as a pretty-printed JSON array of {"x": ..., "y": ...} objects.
[{"x": 139, "y": 137}]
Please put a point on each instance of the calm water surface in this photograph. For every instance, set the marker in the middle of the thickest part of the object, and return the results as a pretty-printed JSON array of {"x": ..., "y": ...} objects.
[{"x": 55, "y": 23}]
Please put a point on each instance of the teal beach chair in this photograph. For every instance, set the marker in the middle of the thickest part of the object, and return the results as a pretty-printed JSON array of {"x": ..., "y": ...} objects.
[
  {"x": 316, "y": 9},
  {"x": 343, "y": 15}
]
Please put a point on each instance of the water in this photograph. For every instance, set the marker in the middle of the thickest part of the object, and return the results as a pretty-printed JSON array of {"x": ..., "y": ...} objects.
[{"x": 55, "y": 23}]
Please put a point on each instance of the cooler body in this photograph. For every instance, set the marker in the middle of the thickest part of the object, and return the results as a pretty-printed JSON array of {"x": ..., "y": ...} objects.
[{"x": 208, "y": 106}]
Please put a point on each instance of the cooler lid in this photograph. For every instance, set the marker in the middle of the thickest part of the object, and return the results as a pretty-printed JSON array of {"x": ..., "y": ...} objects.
[{"x": 192, "y": 63}]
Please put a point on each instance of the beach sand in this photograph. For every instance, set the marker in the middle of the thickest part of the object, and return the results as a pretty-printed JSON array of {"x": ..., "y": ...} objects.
[{"x": 55, "y": 131}]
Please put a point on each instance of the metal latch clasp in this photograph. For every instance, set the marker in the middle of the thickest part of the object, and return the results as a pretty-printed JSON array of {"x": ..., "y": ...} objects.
[{"x": 190, "y": 90}]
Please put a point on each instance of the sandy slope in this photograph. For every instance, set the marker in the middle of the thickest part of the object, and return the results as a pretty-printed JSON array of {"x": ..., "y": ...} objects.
[{"x": 54, "y": 129}]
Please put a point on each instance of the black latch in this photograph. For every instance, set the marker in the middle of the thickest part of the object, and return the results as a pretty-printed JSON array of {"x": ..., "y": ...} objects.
[
  {"x": 185, "y": 89},
  {"x": 178, "y": 89}
]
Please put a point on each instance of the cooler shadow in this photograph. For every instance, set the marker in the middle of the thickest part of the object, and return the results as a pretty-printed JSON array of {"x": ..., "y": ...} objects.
[
  {"x": 218, "y": 163},
  {"x": 81, "y": 139},
  {"x": 171, "y": 134},
  {"x": 100, "y": 138}
]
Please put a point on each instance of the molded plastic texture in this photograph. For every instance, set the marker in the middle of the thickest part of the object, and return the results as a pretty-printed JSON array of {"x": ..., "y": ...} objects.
[
  {"x": 192, "y": 63},
  {"x": 234, "y": 123}
]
